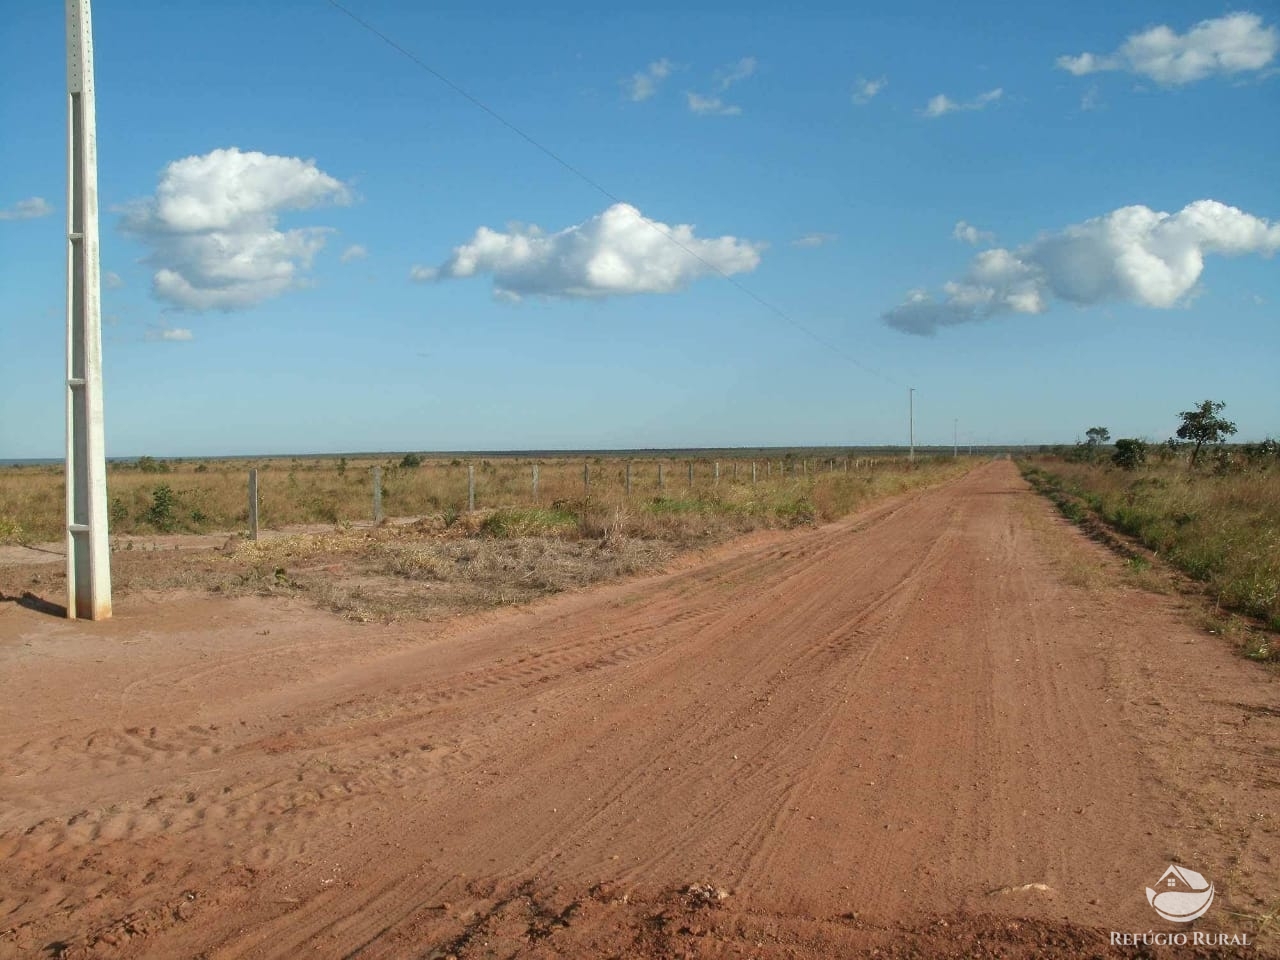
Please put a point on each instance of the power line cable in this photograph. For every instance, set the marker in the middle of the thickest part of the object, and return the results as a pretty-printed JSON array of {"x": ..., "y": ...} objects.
[{"x": 604, "y": 191}]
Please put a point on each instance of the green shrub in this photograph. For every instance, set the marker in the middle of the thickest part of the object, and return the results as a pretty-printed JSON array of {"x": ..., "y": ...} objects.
[
  {"x": 1129, "y": 454},
  {"x": 161, "y": 512}
]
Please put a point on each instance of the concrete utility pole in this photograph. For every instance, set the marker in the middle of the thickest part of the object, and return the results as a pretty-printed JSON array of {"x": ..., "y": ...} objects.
[
  {"x": 911, "y": 421},
  {"x": 88, "y": 554}
]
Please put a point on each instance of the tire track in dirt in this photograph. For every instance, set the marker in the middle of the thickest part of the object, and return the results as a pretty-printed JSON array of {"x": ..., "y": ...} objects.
[{"x": 893, "y": 717}]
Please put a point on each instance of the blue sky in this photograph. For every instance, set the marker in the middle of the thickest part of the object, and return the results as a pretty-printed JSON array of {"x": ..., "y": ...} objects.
[{"x": 950, "y": 197}]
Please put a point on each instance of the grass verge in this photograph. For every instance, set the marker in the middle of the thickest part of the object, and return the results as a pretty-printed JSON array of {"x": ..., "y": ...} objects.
[{"x": 1223, "y": 532}]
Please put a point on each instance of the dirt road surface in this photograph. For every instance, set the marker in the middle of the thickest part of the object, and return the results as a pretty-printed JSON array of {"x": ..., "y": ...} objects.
[{"x": 907, "y": 732}]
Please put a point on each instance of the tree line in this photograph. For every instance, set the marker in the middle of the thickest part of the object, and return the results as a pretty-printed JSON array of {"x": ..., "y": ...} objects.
[{"x": 1201, "y": 427}]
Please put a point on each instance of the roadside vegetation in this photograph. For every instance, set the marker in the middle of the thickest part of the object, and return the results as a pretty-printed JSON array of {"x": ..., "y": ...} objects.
[
  {"x": 150, "y": 496},
  {"x": 1211, "y": 510},
  {"x": 437, "y": 558}
]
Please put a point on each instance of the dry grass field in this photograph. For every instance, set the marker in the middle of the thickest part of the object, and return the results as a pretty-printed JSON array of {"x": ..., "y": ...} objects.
[
  {"x": 196, "y": 496},
  {"x": 1220, "y": 528},
  {"x": 432, "y": 557}
]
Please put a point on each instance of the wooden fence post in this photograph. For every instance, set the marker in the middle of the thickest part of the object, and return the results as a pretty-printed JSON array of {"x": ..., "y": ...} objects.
[
  {"x": 586, "y": 479},
  {"x": 471, "y": 488},
  {"x": 535, "y": 481},
  {"x": 628, "y": 478},
  {"x": 377, "y": 494},
  {"x": 659, "y": 476},
  {"x": 253, "y": 503},
  {"x": 690, "y": 474}
]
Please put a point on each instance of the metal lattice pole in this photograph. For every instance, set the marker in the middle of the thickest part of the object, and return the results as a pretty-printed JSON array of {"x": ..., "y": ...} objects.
[{"x": 88, "y": 554}]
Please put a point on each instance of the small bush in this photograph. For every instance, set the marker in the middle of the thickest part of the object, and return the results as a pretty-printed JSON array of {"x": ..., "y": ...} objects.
[
  {"x": 161, "y": 512},
  {"x": 410, "y": 460},
  {"x": 1129, "y": 454}
]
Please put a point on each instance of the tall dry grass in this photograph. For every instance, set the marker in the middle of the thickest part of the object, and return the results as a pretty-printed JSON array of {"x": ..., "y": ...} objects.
[
  {"x": 1222, "y": 529},
  {"x": 513, "y": 548},
  {"x": 199, "y": 496}
]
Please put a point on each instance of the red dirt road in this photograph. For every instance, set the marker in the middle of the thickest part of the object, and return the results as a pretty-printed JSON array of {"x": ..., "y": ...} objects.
[{"x": 905, "y": 732}]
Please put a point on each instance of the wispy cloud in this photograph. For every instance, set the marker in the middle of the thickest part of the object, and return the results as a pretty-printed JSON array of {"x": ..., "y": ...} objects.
[
  {"x": 113, "y": 280},
  {"x": 971, "y": 234},
  {"x": 711, "y": 105},
  {"x": 864, "y": 91},
  {"x": 353, "y": 252},
  {"x": 615, "y": 253},
  {"x": 811, "y": 240},
  {"x": 1133, "y": 254},
  {"x": 724, "y": 78},
  {"x": 644, "y": 84},
  {"x": 168, "y": 334},
  {"x": 1235, "y": 43},
  {"x": 29, "y": 209},
  {"x": 942, "y": 104}
]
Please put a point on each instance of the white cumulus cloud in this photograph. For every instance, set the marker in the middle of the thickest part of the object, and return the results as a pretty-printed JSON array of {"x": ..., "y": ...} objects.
[
  {"x": 864, "y": 91},
  {"x": 212, "y": 227},
  {"x": 28, "y": 209},
  {"x": 616, "y": 252},
  {"x": 644, "y": 84},
  {"x": 1133, "y": 254},
  {"x": 942, "y": 104},
  {"x": 353, "y": 252},
  {"x": 1235, "y": 43},
  {"x": 971, "y": 234}
]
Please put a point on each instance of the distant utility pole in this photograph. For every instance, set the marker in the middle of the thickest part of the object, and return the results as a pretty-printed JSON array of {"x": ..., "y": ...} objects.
[
  {"x": 911, "y": 421},
  {"x": 88, "y": 554},
  {"x": 955, "y": 437}
]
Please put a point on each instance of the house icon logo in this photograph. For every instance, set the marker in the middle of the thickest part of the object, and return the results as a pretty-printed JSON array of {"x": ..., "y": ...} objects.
[{"x": 1181, "y": 895}]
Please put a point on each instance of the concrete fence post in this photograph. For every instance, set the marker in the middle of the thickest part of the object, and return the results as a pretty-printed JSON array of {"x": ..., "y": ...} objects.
[
  {"x": 768, "y": 469},
  {"x": 735, "y": 470},
  {"x": 377, "y": 494},
  {"x": 753, "y": 473},
  {"x": 253, "y": 503},
  {"x": 716, "y": 478},
  {"x": 535, "y": 481},
  {"x": 471, "y": 487},
  {"x": 628, "y": 478}
]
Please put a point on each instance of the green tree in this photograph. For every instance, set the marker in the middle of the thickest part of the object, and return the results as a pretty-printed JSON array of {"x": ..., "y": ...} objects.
[
  {"x": 1129, "y": 454},
  {"x": 1203, "y": 425},
  {"x": 1097, "y": 436}
]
